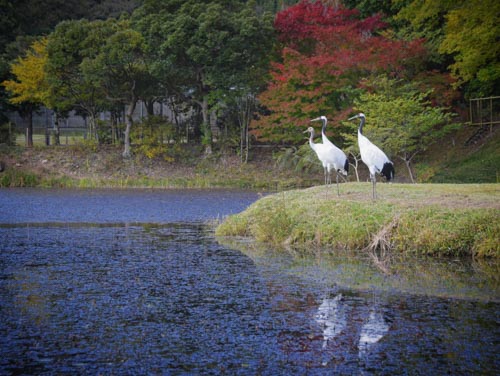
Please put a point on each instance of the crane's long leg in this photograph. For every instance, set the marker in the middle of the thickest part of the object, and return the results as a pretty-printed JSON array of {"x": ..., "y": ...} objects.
[
  {"x": 338, "y": 190},
  {"x": 374, "y": 181}
]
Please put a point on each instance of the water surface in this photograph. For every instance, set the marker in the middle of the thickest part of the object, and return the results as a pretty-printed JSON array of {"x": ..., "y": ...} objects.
[{"x": 134, "y": 282}]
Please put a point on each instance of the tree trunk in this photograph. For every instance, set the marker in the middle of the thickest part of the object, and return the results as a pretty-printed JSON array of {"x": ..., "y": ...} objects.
[
  {"x": 408, "y": 166},
  {"x": 29, "y": 130},
  {"x": 207, "y": 131},
  {"x": 128, "y": 125},
  {"x": 246, "y": 105},
  {"x": 150, "y": 109},
  {"x": 57, "y": 131},
  {"x": 355, "y": 165},
  {"x": 92, "y": 129},
  {"x": 407, "y": 160},
  {"x": 113, "y": 128}
]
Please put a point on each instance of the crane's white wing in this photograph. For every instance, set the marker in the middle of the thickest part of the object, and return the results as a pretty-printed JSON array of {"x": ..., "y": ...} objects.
[{"x": 371, "y": 155}]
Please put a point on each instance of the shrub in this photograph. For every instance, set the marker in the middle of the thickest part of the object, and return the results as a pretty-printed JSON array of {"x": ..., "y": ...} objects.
[{"x": 153, "y": 138}]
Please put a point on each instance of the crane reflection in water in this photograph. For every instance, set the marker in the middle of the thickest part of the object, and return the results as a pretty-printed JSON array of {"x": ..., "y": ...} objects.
[{"x": 332, "y": 316}]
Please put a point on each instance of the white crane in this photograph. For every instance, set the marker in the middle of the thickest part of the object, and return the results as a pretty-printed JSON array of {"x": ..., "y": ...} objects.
[
  {"x": 372, "y": 156},
  {"x": 334, "y": 157}
]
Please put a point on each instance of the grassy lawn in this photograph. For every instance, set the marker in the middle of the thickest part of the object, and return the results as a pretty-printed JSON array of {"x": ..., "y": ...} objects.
[{"x": 69, "y": 138}]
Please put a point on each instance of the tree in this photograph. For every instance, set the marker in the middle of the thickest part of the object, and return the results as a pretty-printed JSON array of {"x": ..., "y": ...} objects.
[
  {"x": 30, "y": 85},
  {"x": 462, "y": 35},
  {"x": 211, "y": 47},
  {"x": 118, "y": 68},
  {"x": 471, "y": 36},
  {"x": 327, "y": 50},
  {"x": 425, "y": 19},
  {"x": 400, "y": 119},
  {"x": 68, "y": 47}
]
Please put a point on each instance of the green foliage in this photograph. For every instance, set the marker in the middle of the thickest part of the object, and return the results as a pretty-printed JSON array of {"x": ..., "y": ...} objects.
[
  {"x": 298, "y": 159},
  {"x": 212, "y": 51},
  {"x": 17, "y": 178},
  {"x": 7, "y": 134},
  {"x": 482, "y": 166},
  {"x": 472, "y": 32},
  {"x": 86, "y": 146},
  {"x": 425, "y": 19},
  {"x": 400, "y": 118},
  {"x": 463, "y": 32},
  {"x": 68, "y": 47}
]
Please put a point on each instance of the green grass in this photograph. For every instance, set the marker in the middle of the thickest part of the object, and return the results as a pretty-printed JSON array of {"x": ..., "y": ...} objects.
[
  {"x": 17, "y": 178},
  {"x": 428, "y": 219},
  {"x": 66, "y": 138},
  {"x": 454, "y": 162},
  {"x": 481, "y": 166}
]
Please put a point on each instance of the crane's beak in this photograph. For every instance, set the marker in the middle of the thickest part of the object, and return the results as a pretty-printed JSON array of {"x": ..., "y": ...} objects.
[
  {"x": 306, "y": 131},
  {"x": 354, "y": 117},
  {"x": 317, "y": 119}
]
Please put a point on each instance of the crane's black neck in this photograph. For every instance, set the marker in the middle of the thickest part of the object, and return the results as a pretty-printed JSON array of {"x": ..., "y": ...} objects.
[
  {"x": 323, "y": 130},
  {"x": 361, "y": 124}
]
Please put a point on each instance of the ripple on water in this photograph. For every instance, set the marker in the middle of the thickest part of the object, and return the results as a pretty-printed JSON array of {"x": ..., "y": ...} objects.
[{"x": 166, "y": 298}]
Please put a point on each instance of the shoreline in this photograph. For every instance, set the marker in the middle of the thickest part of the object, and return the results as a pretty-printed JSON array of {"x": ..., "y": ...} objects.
[{"x": 439, "y": 220}]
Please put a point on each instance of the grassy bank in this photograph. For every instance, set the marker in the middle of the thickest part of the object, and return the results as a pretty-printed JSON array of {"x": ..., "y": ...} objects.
[
  {"x": 104, "y": 167},
  {"x": 424, "y": 219}
]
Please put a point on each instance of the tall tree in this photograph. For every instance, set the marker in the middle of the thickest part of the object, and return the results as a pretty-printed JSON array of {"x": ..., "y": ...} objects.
[
  {"x": 68, "y": 47},
  {"x": 327, "y": 50},
  {"x": 30, "y": 85},
  {"x": 462, "y": 35},
  {"x": 119, "y": 69},
  {"x": 212, "y": 46},
  {"x": 472, "y": 37},
  {"x": 25, "y": 20}
]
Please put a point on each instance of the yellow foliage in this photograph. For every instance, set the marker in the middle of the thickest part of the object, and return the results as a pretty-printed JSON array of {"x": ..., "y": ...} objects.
[
  {"x": 30, "y": 80},
  {"x": 472, "y": 35}
]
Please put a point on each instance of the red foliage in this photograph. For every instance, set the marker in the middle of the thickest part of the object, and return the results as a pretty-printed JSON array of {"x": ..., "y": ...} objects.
[
  {"x": 326, "y": 52},
  {"x": 312, "y": 22}
]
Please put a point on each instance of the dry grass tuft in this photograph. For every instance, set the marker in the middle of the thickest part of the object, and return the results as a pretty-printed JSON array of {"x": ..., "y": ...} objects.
[{"x": 381, "y": 247}]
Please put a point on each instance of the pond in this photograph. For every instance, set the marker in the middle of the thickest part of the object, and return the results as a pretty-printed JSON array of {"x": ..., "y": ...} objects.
[{"x": 134, "y": 282}]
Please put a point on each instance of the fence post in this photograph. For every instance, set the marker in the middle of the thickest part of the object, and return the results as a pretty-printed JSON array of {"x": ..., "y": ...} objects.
[{"x": 491, "y": 115}]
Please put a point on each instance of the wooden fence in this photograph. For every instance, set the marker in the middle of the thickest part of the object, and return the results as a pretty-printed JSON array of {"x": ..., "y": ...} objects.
[{"x": 485, "y": 111}]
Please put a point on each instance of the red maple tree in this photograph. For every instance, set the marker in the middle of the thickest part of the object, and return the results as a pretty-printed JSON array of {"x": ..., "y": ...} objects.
[{"x": 326, "y": 52}]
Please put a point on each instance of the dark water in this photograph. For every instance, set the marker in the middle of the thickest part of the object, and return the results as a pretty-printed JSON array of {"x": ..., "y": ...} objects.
[{"x": 133, "y": 282}]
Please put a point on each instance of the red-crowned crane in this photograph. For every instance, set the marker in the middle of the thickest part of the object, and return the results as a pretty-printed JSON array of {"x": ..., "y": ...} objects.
[
  {"x": 334, "y": 157},
  {"x": 372, "y": 156}
]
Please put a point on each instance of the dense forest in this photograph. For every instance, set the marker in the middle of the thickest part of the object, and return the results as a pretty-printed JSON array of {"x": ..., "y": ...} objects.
[{"x": 256, "y": 71}]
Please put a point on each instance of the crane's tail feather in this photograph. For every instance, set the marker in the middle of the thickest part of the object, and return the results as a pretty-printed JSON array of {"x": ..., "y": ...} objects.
[
  {"x": 346, "y": 166},
  {"x": 388, "y": 171}
]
